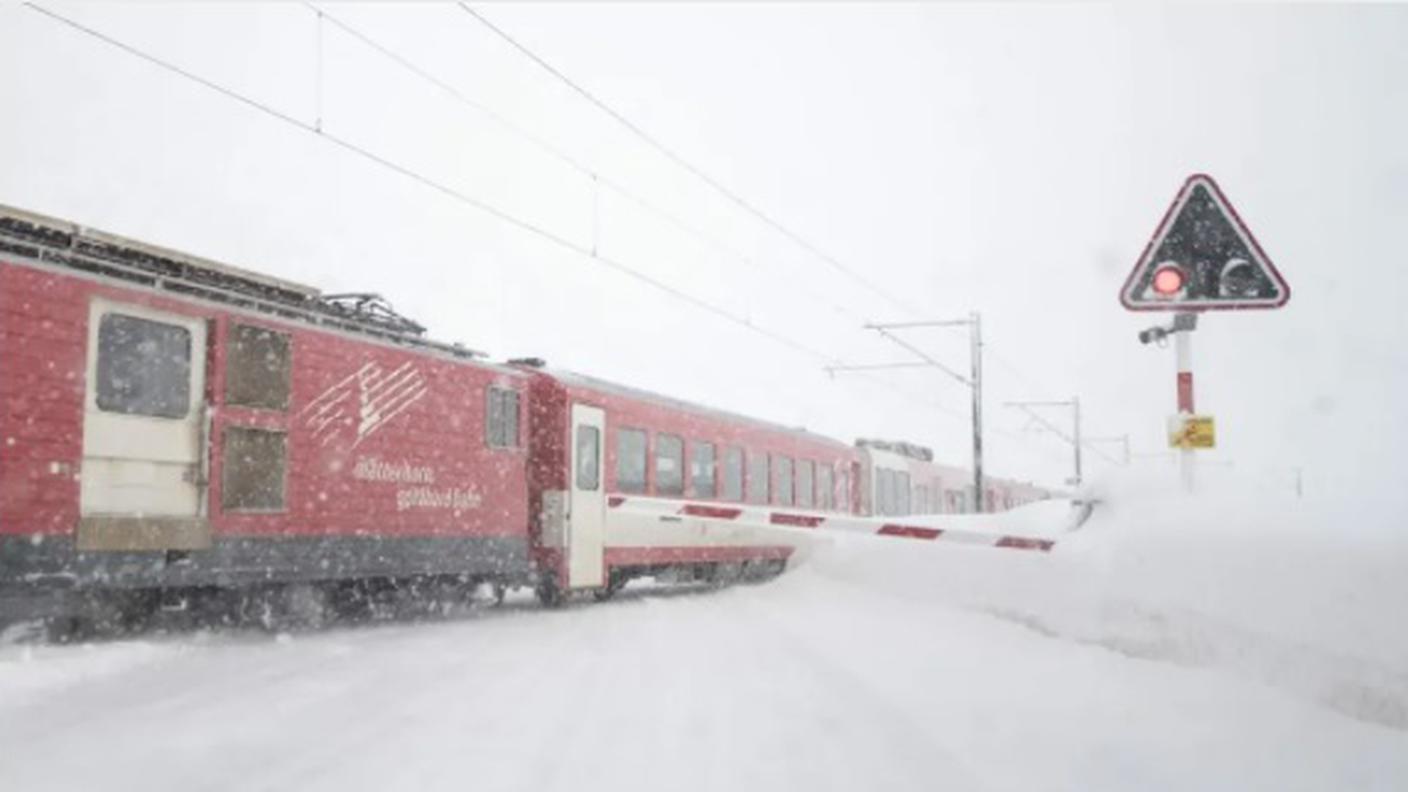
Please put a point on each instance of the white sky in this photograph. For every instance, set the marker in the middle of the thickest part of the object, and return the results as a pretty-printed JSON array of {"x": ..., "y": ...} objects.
[{"x": 1010, "y": 159}]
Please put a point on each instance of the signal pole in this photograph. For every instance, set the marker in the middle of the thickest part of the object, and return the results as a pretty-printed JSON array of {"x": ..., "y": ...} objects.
[
  {"x": 974, "y": 382},
  {"x": 975, "y": 353},
  {"x": 1183, "y": 350}
]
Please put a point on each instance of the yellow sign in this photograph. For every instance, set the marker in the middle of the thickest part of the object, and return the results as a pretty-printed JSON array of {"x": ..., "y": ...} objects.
[{"x": 1191, "y": 431}]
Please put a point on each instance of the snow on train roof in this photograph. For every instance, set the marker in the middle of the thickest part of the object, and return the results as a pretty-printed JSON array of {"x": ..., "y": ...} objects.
[
  {"x": 78, "y": 230},
  {"x": 582, "y": 380},
  {"x": 73, "y": 246}
]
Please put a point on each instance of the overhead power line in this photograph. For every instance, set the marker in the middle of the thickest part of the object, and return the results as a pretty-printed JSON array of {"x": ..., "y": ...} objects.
[
  {"x": 440, "y": 187},
  {"x": 597, "y": 177},
  {"x": 319, "y": 130},
  {"x": 670, "y": 154},
  {"x": 715, "y": 184}
]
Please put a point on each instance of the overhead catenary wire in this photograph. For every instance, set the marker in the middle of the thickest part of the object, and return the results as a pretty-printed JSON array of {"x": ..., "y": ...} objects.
[
  {"x": 1056, "y": 430},
  {"x": 321, "y": 132},
  {"x": 722, "y": 189},
  {"x": 444, "y": 189},
  {"x": 732, "y": 196},
  {"x": 679, "y": 160},
  {"x": 598, "y": 178}
]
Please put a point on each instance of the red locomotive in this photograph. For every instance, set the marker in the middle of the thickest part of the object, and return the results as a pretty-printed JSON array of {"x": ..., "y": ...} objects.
[{"x": 170, "y": 423}]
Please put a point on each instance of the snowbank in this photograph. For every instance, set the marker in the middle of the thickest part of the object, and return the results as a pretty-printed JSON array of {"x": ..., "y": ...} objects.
[{"x": 1300, "y": 595}]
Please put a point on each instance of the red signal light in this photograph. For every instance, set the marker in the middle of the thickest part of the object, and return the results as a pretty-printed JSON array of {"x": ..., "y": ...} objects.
[{"x": 1168, "y": 280}]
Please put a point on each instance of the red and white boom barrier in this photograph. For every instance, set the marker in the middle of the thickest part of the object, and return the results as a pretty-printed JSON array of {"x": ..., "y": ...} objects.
[{"x": 990, "y": 530}]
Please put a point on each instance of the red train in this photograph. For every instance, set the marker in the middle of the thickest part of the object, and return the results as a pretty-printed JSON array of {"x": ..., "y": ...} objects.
[{"x": 171, "y": 423}]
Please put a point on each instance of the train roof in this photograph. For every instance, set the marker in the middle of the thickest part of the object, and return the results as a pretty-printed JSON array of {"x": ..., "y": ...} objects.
[
  {"x": 72, "y": 246},
  {"x": 575, "y": 379}
]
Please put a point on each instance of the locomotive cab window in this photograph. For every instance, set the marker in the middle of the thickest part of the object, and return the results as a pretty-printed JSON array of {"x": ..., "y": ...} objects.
[
  {"x": 253, "y": 475},
  {"x": 501, "y": 426},
  {"x": 630, "y": 460},
  {"x": 669, "y": 465},
  {"x": 257, "y": 367},
  {"x": 144, "y": 367}
]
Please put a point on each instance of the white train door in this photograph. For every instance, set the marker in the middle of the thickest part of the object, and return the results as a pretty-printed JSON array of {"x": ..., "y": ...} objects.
[
  {"x": 143, "y": 424},
  {"x": 586, "y": 523}
]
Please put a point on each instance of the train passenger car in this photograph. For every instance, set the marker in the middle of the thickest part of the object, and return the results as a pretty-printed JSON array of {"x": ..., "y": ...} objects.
[
  {"x": 617, "y": 473},
  {"x": 167, "y": 421},
  {"x": 900, "y": 479}
]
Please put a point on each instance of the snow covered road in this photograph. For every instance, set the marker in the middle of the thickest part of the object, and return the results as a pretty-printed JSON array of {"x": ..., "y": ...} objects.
[{"x": 835, "y": 677}]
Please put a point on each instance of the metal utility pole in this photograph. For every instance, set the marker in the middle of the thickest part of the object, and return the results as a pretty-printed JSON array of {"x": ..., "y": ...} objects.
[
  {"x": 1184, "y": 323},
  {"x": 974, "y": 323},
  {"x": 975, "y": 353},
  {"x": 1073, "y": 439},
  {"x": 1183, "y": 351}
]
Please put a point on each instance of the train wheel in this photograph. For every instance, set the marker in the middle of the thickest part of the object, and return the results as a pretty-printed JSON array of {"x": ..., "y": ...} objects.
[
  {"x": 291, "y": 607},
  {"x": 614, "y": 583},
  {"x": 549, "y": 593}
]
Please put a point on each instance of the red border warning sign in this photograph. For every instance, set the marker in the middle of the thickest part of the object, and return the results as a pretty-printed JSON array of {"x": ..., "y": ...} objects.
[{"x": 1203, "y": 257}]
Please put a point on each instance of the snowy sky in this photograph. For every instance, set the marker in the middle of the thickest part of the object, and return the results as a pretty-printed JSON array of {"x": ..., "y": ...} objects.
[{"x": 1010, "y": 159}]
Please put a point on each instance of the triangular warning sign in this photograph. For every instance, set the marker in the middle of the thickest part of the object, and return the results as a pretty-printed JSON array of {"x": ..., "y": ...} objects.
[{"x": 1203, "y": 258}]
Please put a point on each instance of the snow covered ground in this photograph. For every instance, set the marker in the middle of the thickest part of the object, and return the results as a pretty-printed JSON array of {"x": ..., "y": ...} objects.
[{"x": 1224, "y": 643}]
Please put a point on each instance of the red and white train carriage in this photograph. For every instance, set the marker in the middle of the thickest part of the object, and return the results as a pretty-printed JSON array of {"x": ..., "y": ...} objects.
[
  {"x": 170, "y": 423},
  {"x": 611, "y": 466},
  {"x": 900, "y": 479}
]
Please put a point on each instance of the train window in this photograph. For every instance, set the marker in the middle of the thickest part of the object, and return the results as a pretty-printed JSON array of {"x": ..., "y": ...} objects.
[
  {"x": 588, "y": 457},
  {"x": 782, "y": 492},
  {"x": 733, "y": 474},
  {"x": 805, "y": 483},
  {"x": 921, "y": 500},
  {"x": 757, "y": 477},
  {"x": 701, "y": 470},
  {"x": 826, "y": 494},
  {"x": 257, "y": 368},
  {"x": 630, "y": 460},
  {"x": 902, "y": 501},
  {"x": 885, "y": 491},
  {"x": 669, "y": 465},
  {"x": 843, "y": 489},
  {"x": 252, "y": 478},
  {"x": 501, "y": 425},
  {"x": 144, "y": 367}
]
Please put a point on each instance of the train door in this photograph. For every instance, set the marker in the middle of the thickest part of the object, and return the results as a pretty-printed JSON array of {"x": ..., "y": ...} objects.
[
  {"x": 142, "y": 482},
  {"x": 586, "y": 533}
]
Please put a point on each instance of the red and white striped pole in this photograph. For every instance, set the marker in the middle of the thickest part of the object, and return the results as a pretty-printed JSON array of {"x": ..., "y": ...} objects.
[{"x": 1182, "y": 344}]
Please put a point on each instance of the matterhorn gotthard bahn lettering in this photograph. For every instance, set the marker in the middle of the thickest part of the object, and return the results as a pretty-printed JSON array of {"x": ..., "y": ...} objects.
[{"x": 357, "y": 407}]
